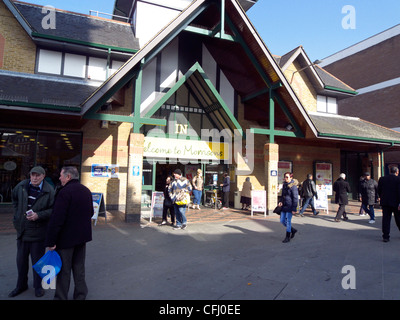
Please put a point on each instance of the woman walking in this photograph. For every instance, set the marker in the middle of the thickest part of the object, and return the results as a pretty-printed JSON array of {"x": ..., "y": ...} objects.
[
  {"x": 289, "y": 201},
  {"x": 197, "y": 182}
]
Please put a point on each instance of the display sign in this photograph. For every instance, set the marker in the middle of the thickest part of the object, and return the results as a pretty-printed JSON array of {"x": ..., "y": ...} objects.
[
  {"x": 98, "y": 206},
  {"x": 157, "y": 204},
  {"x": 184, "y": 149},
  {"x": 104, "y": 170},
  {"x": 259, "y": 201},
  {"x": 322, "y": 201}
]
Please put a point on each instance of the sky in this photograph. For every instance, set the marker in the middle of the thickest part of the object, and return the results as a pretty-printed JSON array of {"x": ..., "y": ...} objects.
[{"x": 322, "y": 27}]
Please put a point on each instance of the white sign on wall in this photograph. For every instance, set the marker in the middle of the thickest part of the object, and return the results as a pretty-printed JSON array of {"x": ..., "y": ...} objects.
[{"x": 184, "y": 149}]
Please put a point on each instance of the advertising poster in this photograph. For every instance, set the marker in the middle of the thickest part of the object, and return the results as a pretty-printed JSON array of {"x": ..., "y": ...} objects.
[
  {"x": 157, "y": 203},
  {"x": 259, "y": 201},
  {"x": 323, "y": 176},
  {"x": 104, "y": 170}
]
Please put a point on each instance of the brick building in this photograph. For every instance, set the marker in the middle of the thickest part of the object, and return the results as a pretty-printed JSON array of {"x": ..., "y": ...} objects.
[
  {"x": 199, "y": 91},
  {"x": 378, "y": 85}
]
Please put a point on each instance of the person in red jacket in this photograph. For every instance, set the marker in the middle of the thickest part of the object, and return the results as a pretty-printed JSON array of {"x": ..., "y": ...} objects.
[{"x": 69, "y": 229}]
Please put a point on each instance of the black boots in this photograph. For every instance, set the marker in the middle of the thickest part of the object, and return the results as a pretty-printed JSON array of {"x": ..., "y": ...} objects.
[
  {"x": 289, "y": 235},
  {"x": 287, "y": 239}
]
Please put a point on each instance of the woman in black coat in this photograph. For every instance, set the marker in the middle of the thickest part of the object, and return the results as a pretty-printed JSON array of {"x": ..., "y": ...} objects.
[
  {"x": 167, "y": 205},
  {"x": 341, "y": 188},
  {"x": 289, "y": 201}
]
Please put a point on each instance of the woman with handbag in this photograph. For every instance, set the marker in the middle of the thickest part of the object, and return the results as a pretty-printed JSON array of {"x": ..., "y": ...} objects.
[
  {"x": 179, "y": 194},
  {"x": 289, "y": 201}
]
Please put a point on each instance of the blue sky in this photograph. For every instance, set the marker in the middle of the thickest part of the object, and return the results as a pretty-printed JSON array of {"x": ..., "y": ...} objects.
[{"x": 286, "y": 24}]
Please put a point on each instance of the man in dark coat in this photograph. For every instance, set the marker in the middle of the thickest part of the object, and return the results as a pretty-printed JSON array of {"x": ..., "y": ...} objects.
[
  {"x": 308, "y": 192},
  {"x": 341, "y": 188},
  {"x": 389, "y": 194},
  {"x": 33, "y": 201},
  {"x": 368, "y": 194},
  {"x": 69, "y": 229}
]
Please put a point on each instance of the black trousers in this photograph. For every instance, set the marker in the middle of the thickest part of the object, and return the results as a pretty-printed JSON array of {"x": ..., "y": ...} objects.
[
  {"x": 387, "y": 218},
  {"x": 73, "y": 259},
  {"x": 171, "y": 213},
  {"x": 36, "y": 250},
  {"x": 225, "y": 199},
  {"x": 341, "y": 211}
]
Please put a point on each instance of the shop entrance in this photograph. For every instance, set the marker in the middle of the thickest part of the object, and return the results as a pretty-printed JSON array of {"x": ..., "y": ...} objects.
[{"x": 155, "y": 175}]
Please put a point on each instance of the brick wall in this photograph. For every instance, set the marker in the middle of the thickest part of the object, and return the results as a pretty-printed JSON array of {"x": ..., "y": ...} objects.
[
  {"x": 302, "y": 86},
  {"x": 373, "y": 65},
  {"x": 108, "y": 146},
  {"x": 19, "y": 51}
]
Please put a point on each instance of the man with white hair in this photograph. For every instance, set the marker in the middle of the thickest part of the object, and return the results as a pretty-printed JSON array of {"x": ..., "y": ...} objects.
[{"x": 341, "y": 188}]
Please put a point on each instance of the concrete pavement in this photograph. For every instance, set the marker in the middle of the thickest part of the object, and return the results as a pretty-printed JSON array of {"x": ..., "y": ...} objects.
[{"x": 233, "y": 259}]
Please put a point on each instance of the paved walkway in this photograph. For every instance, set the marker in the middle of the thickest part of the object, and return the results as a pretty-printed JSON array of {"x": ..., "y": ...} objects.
[{"x": 227, "y": 255}]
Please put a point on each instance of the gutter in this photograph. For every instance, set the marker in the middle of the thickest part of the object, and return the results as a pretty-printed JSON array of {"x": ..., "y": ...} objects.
[{"x": 368, "y": 140}]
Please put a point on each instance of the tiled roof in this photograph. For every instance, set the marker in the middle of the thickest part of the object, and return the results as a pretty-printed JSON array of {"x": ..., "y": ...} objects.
[
  {"x": 38, "y": 91},
  {"x": 80, "y": 28}
]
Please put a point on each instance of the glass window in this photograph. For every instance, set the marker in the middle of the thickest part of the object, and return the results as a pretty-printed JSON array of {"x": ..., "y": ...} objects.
[
  {"x": 17, "y": 150},
  {"x": 75, "y": 65},
  {"x": 55, "y": 150},
  {"x": 97, "y": 69},
  {"x": 20, "y": 150},
  {"x": 49, "y": 61},
  {"x": 147, "y": 173},
  {"x": 331, "y": 105}
]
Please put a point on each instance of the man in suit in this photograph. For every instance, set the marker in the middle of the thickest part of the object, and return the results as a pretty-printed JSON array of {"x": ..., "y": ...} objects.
[
  {"x": 342, "y": 188},
  {"x": 389, "y": 194},
  {"x": 69, "y": 229}
]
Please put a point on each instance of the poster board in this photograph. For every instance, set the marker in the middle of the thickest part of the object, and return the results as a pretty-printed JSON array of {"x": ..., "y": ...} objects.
[
  {"x": 322, "y": 201},
  {"x": 323, "y": 176},
  {"x": 283, "y": 167},
  {"x": 104, "y": 170},
  {"x": 259, "y": 201},
  {"x": 98, "y": 206},
  {"x": 157, "y": 204}
]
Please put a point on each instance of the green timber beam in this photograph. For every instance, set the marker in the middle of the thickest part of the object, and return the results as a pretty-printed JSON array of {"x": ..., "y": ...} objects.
[
  {"x": 252, "y": 58},
  {"x": 181, "y": 81},
  {"x": 271, "y": 117},
  {"x": 176, "y": 32},
  {"x": 213, "y": 34},
  {"x": 269, "y": 132},
  {"x": 299, "y": 132}
]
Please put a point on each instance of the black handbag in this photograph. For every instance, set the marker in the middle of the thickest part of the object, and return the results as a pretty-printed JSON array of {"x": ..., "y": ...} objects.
[{"x": 278, "y": 210}]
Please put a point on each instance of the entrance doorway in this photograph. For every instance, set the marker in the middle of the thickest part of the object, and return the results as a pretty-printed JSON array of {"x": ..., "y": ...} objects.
[{"x": 155, "y": 174}]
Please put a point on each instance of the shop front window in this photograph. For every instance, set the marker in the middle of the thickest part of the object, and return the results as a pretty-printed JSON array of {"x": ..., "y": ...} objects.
[{"x": 20, "y": 150}]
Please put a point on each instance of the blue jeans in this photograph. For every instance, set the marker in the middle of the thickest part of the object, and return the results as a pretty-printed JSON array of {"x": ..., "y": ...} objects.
[
  {"x": 370, "y": 210},
  {"x": 180, "y": 215},
  {"x": 197, "y": 196},
  {"x": 308, "y": 201},
  {"x": 286, "y": 220}
]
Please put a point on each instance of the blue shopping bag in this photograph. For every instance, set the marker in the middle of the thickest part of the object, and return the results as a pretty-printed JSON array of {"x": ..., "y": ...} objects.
[{"x": 48, "y": 265}]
